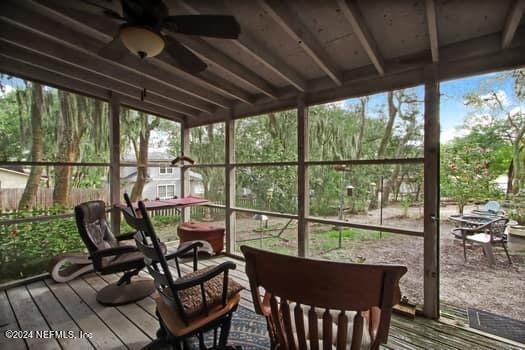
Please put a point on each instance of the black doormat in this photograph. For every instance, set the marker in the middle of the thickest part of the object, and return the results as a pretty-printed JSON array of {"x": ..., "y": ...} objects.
[
  {"x": 248, "y": 330},
  {"x": 498, "y": 325}
]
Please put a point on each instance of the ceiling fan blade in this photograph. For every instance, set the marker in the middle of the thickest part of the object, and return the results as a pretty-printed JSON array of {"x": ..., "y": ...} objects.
[
  {"x": 215, "y": 26},
  {"x": 144, "y": 12},
  {"x": 114, "y": 50},
  {"x": 109, "y": 8},
  {"x": 182, "y": 57}
]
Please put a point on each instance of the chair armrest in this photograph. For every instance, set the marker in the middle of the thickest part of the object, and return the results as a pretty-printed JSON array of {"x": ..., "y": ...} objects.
[
  {"x": 217, "y": 270},
  {"x": 113, "y": 251},
  {"x": 179, "y": 252},
  {"x": 125, "y": 236}
]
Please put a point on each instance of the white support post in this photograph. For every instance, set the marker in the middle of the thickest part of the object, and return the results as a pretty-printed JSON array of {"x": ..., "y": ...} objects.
[
  {"x": 185, "y": 185},
  {"x": 431, "y": 194},
  {"x": 114, "y": 149},
  {"x": 303, "y": 200},
  {"x": 230, "y": 184}
]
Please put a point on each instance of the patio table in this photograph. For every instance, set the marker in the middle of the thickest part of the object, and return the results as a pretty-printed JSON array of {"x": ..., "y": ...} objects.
[
  {"x": 178, "y": 204},
  {"x": 468, "y": 221}
]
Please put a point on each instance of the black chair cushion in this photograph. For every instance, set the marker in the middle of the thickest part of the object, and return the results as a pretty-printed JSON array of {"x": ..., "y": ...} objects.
[
  {"x": 126, "y": 261},
  {"x": 100, "y": 234}
]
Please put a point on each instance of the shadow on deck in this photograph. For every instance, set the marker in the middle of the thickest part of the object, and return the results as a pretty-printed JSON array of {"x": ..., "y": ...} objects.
[{"x": 46, "y": 305}]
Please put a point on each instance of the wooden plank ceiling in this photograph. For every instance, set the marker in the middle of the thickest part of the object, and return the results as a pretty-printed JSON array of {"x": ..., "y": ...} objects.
[{"x": 327, "y": 50}]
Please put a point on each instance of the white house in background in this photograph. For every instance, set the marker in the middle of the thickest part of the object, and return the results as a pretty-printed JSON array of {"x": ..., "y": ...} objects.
[
  {"x": 501, "y": 182},
  {"x": 13, "y": 177},
  {"x": 163, "y": 182}
]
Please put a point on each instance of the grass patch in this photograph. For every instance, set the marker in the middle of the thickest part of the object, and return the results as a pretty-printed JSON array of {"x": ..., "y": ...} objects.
[
  {"x": 324, "y": 241},
  {"x": 320, "y": 241},
  {"x": 354, "y": 234},
  {"x": 273, "y": 244}
]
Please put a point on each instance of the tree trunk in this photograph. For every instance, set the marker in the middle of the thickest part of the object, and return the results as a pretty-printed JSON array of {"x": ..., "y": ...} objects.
[
  {"x": 71, "y": 129},
  {"x": 142, "y": 158},
  {"x": 37, "y": 148},
  {"x": 362, "y": 121},
  {"x": 21, "y": 101},
  {"x": 395, "y": 174},
  {"x": 516, "y": 166},
  {"x": 387, "y": 135},
  {"x": 418, "y": 193},
  {"x": 392, "y": 112},
  {"x": 510, "y": 175}
]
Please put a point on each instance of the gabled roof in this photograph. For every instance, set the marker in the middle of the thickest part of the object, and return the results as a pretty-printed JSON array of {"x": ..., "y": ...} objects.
[
  {"x": 13, "y": 169},
  {"x": 153, "y": 156},
  {"x": 175, "y": 175}
]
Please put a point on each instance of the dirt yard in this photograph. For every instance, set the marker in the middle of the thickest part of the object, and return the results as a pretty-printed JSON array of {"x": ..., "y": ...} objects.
[{"x": 497, "y": 289}]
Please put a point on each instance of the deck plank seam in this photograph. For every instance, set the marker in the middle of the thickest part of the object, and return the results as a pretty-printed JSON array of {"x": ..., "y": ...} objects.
[
  {"x": 66, "y": 310},
  {"x": 458, "y": 333},
  {"x": 98, "y": 316},
  {"x": 33, "y": 287},
  {"x": 138, "y": 303},
  {"x": 426, "y": 337},
  {"x": 121, "y": 312},
  {"x": 15, "y": 316},
  {"x": 41, "y": 313}
]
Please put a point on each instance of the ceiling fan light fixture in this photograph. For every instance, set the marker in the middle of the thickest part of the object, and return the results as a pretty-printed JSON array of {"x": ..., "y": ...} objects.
[{"x": 142, "y": 41}]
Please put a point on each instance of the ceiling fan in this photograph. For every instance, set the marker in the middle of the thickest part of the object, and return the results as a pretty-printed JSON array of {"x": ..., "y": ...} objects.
[{"x": 143, "y": 23}]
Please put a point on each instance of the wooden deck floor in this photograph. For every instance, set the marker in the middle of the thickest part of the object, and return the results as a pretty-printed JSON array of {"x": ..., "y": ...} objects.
[{"x": 45, "y": 305}]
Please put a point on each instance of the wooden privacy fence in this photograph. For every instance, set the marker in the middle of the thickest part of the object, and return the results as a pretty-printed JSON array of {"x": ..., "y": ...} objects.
[
  {"x": 43, "y": 204},
  {"x": 10, "y": 197}
]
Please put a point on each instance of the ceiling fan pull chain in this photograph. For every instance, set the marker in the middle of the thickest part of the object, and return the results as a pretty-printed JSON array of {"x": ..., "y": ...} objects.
[{"x": 143, "y": 94}]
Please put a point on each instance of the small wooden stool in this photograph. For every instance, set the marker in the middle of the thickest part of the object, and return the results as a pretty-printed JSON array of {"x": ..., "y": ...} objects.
[{"x": 192, "y": 231}]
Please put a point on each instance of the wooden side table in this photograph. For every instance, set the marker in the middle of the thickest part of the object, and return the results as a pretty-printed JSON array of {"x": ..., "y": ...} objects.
[{"x": 192, "y": 231}]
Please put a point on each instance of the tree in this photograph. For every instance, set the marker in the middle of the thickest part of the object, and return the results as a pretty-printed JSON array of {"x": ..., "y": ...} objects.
[
  {"x": 505, "y": 113},
  {"x": 408, "y": 110},
  {"x": 207, "y": 147},
  {"x": 37, "y": 147},
  {"x": 137, "y": 127},
  {"x": 71, "y": 128},
  {"x": 404, "y": 106},
  {"x": 465, "y": 172},
  {"x": 15, "y": 108}
]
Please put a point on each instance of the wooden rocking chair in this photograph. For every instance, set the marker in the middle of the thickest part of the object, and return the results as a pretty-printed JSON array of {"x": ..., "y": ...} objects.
[
  {"x": 195, "y": 303},
  {"x": 314, "y": 304}
]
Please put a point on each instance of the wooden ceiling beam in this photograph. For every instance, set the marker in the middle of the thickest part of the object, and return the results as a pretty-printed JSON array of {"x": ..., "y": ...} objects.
[
  {"x": 511, "y": 24},
  {"x": 458, "y": 60},
  {"x": 24, "y": 38},
  {"x": 83, "y": 44},
  {"x": 234, "y": 69},
  {"x": 105, "y": 28},
  {"x": 34, "y": 73},
  {"x": 261, "y": 53},
  {"x": 431, "y": 17},
  {"x": 354, "y": 16},
  {"x": 29, "y": 56},
  {"x": 289, "y": 21}
]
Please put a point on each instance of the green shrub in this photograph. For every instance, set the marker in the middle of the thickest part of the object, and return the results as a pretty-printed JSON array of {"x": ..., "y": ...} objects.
[{"x": 27, "y": 248}]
